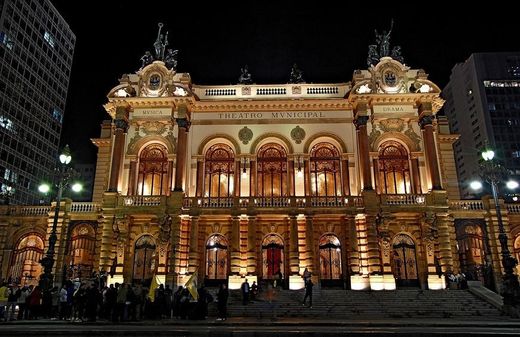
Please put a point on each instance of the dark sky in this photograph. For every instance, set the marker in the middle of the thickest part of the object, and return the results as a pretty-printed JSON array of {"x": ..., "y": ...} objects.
[{"x": 214, "y": 41}]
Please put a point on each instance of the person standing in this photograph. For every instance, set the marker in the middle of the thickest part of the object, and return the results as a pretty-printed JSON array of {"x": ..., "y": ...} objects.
[
  {"x": 308, "y": 292},
  {"x": 245, "y": 292},
  {"x": 222, "y": 299},
  {"x": 306, "y": 276}
]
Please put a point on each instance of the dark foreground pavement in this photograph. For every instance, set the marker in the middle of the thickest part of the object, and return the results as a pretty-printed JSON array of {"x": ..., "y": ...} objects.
[{"x": 245, "y": 327}]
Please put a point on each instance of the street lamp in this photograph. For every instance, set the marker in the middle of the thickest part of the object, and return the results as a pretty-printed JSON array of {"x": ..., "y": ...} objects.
[
  {"x": 495, "y": 173},
  {"x": 64, "y": 174}
]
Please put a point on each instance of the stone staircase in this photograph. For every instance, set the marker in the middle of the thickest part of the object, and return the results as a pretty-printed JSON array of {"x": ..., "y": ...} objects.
[{"x": 364, "y": 305}]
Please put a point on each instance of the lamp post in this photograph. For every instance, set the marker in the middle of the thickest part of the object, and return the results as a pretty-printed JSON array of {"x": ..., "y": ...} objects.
[
  {"x": 495, "y": 173},
  {"x": 64, "y": 174}
]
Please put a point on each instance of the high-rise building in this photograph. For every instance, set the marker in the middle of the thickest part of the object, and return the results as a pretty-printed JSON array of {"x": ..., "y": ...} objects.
[
  {"x": 36, "y": 49},
  {"x": 483, "y": 105}
]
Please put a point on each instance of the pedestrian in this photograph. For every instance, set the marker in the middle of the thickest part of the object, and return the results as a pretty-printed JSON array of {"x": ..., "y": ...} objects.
[
  {"x": 254, "y": 291},
  {"x": 308, "y": 292},
  {"x": 222, "y": 299},
  {"x": 245, "y": 292},
  {"x": 306, "y": 275}
]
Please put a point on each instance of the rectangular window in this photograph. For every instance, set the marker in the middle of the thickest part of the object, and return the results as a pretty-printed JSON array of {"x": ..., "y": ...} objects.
[{"x": 48, "y": 38}]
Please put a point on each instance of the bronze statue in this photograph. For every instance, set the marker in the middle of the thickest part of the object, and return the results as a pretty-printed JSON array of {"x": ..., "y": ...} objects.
[
  {"x": 171, "y": 59},
  {"x": 296, "y": 75},
  {"x": 245, "y": 76},
  {"x": 160, "y": 44},
  {"x": 383, "y": 41},
  {"x": 146, "y": 59}
]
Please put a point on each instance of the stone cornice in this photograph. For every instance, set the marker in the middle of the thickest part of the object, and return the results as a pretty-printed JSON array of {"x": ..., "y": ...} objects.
[
  {"x": 101, "y": 141},
  {"x": 300, "y": 105},
  {"x": 448, "y": 138},
  {"x": 415, "y": 99},
  {"x": 146, "y": 102}
]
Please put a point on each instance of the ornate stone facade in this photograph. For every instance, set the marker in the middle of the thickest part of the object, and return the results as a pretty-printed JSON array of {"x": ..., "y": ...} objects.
[{"x": 365, "y": 197}]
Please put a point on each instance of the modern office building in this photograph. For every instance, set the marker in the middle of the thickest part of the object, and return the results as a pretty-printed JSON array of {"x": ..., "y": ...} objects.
[
  {"x": 483, "y": 105},
  {"x": 36, "y": 49}
]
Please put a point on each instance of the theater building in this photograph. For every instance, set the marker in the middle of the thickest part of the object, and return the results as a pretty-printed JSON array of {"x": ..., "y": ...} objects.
[{"x": 355, "y": 181}]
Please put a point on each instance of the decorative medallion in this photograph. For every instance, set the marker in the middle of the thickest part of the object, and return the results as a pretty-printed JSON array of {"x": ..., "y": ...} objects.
[
  {"x": 298, "y": 134},
  {"x": 246, "y": 91},
  {"x": 296, "y": 90},
  {"x": 391, "y": 78},
  {"x": 245, "y": 135}
]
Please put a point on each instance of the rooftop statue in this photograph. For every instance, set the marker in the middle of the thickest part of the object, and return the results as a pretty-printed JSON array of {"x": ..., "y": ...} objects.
[
  {"x": 245, "y": 76},
  {"x": 296, "y": 75},
  {"x": 171, "y": 59},
  {"x": 160, "y": 44},
  {"x": 146, "y": 59},
  {"x": 382, "y": 48}
]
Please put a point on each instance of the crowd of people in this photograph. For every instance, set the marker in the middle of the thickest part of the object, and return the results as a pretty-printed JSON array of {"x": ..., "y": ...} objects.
[{"x": 86, "y": 302}]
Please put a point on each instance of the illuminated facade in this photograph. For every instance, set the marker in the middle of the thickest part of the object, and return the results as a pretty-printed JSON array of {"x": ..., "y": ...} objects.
[{"x": 355, "y": 181}]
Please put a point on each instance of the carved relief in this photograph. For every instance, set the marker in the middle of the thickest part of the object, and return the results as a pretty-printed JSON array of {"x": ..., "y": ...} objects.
[
  {"x": 392, "y": 124},
  {"x": 298, "y": 134},
  {"x": 296, "y": 90},
  {"x": 172, "y": 139},
  {"x": 216, "y": 228},
  {"x": 374, "y": 135},
  {"x": 245, "y": 135},
  {"x": 134, "y": 139},
  {"x": 413, "y": 137},
  {"x": 153, "y": 128}
]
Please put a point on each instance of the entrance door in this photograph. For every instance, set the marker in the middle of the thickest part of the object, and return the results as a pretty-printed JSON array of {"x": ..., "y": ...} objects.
[
  {"x": 404, "y": 261},
  {"x": 216, "y": 259},
  {"x": 272, "y": 251},
  {"x": 144, "y": 259},
  {"x": 330, "y": 261}
]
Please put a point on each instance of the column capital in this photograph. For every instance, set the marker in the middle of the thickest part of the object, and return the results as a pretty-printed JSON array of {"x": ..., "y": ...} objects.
[
  {"x": 183, "y": 123},
  {"x": 360, "y": 121},
  {"x": 426, "y": 120}
]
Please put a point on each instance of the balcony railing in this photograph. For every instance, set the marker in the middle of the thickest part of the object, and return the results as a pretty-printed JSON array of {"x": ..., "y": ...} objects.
[
  {"x": 466, "y": 205},
  {"x": 84, "y": 207},
  {"x": 272, "y": 202},
  {"x": 403, "y": 199},
  {"x": 142, "y": 200}
]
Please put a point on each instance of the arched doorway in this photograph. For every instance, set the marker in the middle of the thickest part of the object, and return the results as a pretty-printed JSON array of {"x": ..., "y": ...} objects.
[
  {"x": 144, "y": 259},
  {"x": 81, "y": 251},
  {"x": 25, "y": 267},
  {"x": 216, "y": 259},
  {"x": 472, "y": 253},
  {"x": 325, "y": 171},
  {"x": 219, "y": 172},
  {"x": 272, "y": 256},
  {"x": 394, "y": 169},
  {"x": 272, "y": 171},
  {"x": 404, "y": 262},
  {"x": 330, "y": 261},
  {"x": 153, "y": 176}
]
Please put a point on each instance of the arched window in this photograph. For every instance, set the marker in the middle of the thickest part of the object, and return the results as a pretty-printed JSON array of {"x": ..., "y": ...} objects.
[
  {"x": 219, "y": 171},
  {"x": 216, "y": 257},
  {"x": 472, "y": 251},
  {"x": 25, "y": 267},
  {"x": 82, "y": 251},
  {"x": 272, "y": 256},
  {"x": 144, "y": 259},
  {"x": 330, "y": 257},
  {"x": 404, "y": 262},
  {"x": 153, "y": 171},
  {"x": 272, "y": 171},
  {"x": 325, "y": 170},
  {"x": 517, "y": 252},
  {"x": 394, "y": 168}
]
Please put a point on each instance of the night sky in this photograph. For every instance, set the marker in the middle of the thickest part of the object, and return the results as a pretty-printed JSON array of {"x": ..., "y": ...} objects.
[{"x": 215, "y": 41}]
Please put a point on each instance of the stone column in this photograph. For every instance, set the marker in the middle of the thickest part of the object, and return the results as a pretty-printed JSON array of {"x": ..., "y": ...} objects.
[
  {"x": 345, "y": 177},
  {"x": 309, "y": 242},
  {"x": 294, "y": 261},
  {"x": 251, "y": 245},
  {"x": 374, "y": 255},
  {"x": 447, "y": 241},
  {"x": 416, "y": 179},
  {"x": 184, "y": 126},
  {"x": 132, "y": 177},
  {"x": 235, "y": 245},
  {"x": 363, "y": 149},
  {"x": 194, "y": 254},
  {"x": 426, "y": 123},
  {"x": 121, "y": 127},
  {"x": 199, "y": 192}
]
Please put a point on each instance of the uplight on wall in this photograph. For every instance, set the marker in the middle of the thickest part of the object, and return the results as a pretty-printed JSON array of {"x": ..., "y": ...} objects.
[
  {"x": 244, "y": 170},
  {"x": 299, "y": 170}
]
